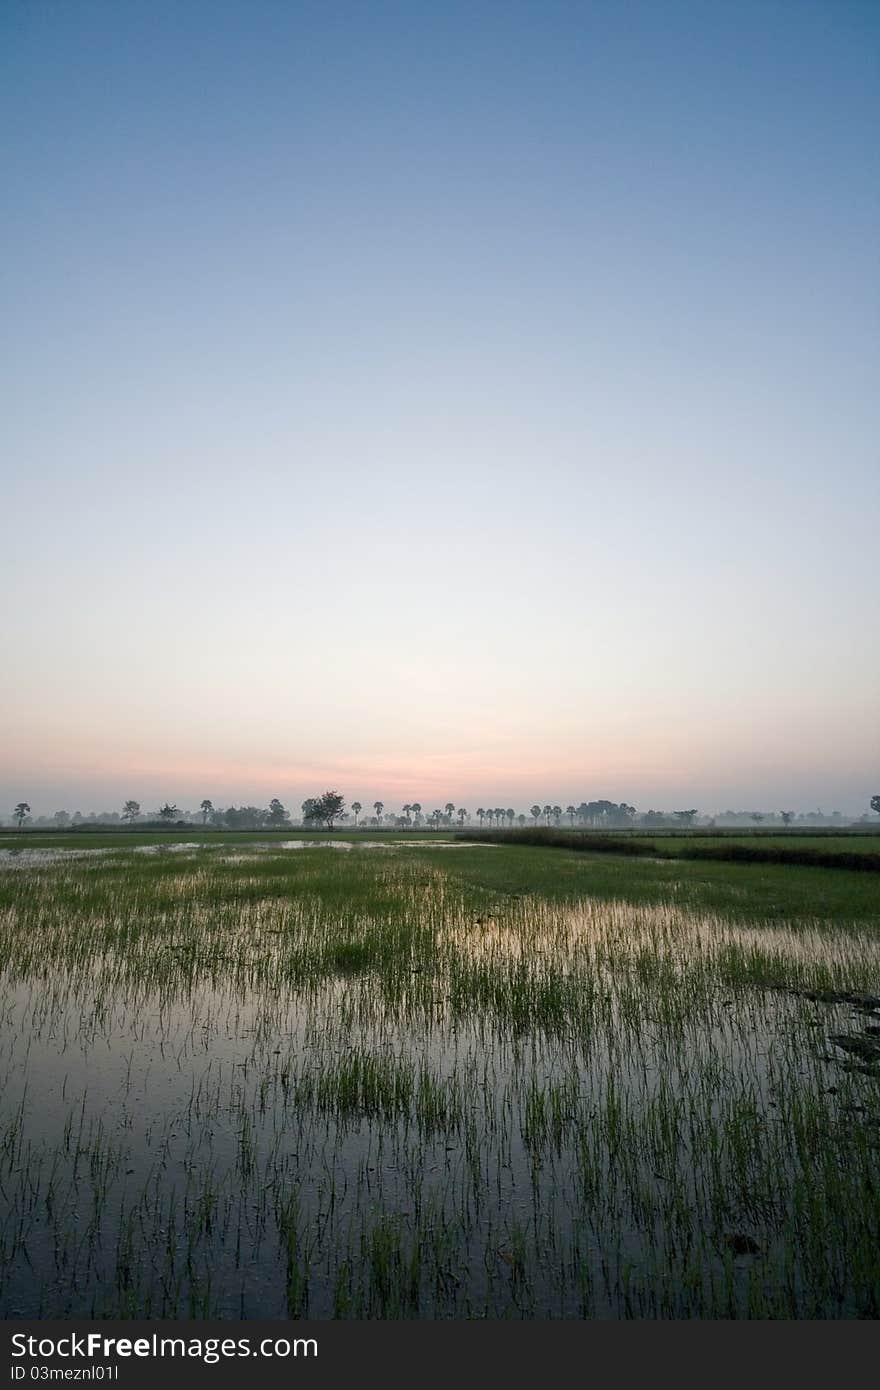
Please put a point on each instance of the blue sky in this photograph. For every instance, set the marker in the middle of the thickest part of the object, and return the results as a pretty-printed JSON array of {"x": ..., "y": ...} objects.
[{"x": 475, "y": 401}]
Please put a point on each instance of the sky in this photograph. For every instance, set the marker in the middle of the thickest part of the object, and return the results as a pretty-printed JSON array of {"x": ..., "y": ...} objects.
[{"x": 471, "y": 402}]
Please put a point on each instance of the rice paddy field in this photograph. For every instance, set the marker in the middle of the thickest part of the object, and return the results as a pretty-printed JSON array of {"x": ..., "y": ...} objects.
[
  {"x": 840, "y": 842},
  {"x": 434, "y": 1079}
]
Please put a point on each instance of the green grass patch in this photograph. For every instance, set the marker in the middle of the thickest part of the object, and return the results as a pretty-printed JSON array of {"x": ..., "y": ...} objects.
[{"x": 858, "y": 853}]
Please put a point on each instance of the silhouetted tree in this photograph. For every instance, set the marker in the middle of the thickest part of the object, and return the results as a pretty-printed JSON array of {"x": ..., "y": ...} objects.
[
  {"x": 61, "y": 819},
  {"x": 356, "y": 809},
  {"x": 21, "y": 810},
  {"x": 757, "y": 817},
  {"x": 521, "y": 819},
  {"x": 605, "y": 813},
  {"x": 379, "y": 807},
  {"x": 277, "y": 814},
  {"x": 130, "y": 811},
  {"x": 536, "y": 813},
  {"x": 548, "y": 812},
  {"x": 407, "y": 812},
  {"x": 480, "y": 815},
  {"x": 462, "y": 815},
  {"x": 450, "y": 812},
  {"x": 787, "y": 817},
  {"x": 324, "y": 809},
  {"x": 417, "y": 812},
  {"x": 243, "y": 817},
  {"x": 686, "y": 817},
  {"x": 875, "y": 804},
  {"x": 571, "y": 813},
  {"x": 206, "y": 809},
  {"x": 511, "y": 815}
]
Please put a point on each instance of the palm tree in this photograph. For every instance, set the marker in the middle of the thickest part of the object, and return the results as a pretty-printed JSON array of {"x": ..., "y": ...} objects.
[
  {"x": 417, "y": 812},
  {"x": 535, "y": 811},
  {"x": 490, "y": 815},
  {"x": 462, "y": 815},
  {"x": 21, "y": 810},
  {"x": 480, "y": 814},
  {"x": 406, "y": 812},
  {"x": 521, "y": 819},
  {"x": 511, "y": 815},
  {"x": 557, "y": 814},
  {"x": 379, "y": 807},
  {"x": 450, "y": 812},
  {"x": 130, "y": 811},
  {"x": 548, "y": 812},
  {"x": 571, "y": 813},
  {"x": 356, "y": 808},
  {"x": 206, "y": 808}
]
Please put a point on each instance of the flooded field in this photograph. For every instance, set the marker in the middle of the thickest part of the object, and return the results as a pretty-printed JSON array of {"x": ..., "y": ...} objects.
[
  {"x": 13, "y": 857},
  {"x": 255, "y": 1083}
]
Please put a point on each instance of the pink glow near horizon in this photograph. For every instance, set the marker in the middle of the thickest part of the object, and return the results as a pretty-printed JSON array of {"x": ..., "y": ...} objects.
[{"x": 81, "y": 783}]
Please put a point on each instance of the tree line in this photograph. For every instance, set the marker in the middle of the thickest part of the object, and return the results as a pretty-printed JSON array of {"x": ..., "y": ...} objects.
[{"x": 329, "y": 809}]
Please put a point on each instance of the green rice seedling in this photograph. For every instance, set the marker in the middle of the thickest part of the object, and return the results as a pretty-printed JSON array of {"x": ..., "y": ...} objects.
[{"x": 512, "y": 1082}]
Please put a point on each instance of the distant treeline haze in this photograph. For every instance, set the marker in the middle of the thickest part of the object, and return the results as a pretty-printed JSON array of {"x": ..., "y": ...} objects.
[{"x": 329, "y": 810}]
